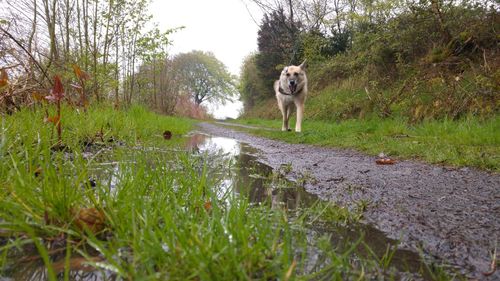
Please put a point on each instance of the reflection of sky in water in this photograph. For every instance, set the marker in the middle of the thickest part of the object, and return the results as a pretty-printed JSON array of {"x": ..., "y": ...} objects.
[
  {"x": 219, "y": 144},
  {"x": 217, "y": 148}
]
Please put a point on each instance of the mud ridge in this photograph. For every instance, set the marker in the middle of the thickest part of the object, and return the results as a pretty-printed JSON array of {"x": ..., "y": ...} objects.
[{"x": 452, "y": 214}]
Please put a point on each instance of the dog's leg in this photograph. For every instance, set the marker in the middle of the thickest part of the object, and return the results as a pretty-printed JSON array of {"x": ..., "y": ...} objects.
[
  {"x": 288, "y": 114},
  {"x": 284, "y": 112},
  {"x": 300, "y": 114}
]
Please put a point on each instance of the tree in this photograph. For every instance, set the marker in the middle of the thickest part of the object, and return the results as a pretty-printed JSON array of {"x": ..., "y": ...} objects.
[
  {"x": 250, "y": 86},
  {"x": 152, "y": 52},
  {"x": 205, "y": 78},
  {"x": 278, "y": 44},
  {"x": 44, "y": 37}
]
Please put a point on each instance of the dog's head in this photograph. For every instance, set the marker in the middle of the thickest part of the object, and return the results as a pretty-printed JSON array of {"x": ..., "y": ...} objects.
[{"x": 293, "y": 76}]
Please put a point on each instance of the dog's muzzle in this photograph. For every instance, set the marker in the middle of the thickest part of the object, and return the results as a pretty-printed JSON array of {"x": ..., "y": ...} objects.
[{"x": 292, "y": 85}]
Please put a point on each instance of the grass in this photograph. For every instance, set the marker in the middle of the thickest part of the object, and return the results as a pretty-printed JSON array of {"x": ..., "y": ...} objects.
[
  {"x": 467, "y": 142},
  {"x": 154, "y": 215},
  {"x": 133, "y": 126}
]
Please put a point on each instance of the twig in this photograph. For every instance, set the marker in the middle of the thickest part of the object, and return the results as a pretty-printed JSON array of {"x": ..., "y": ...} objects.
[
  {"x": 368, "y": 93},
  {"x": 11, "y": 66},
  {"x": 486, "y": 66},
  {"x": 28, "y": 53}
]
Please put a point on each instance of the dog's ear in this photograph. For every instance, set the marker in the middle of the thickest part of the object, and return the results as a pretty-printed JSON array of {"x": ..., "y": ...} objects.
[
  {"x": 303, "y": 65},
  {"x": 285, "y": 69}
]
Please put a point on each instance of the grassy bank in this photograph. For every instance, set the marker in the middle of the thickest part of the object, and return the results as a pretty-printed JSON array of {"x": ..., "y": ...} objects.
[
  {"x": 120, "y": 200},
  {"x": 28, "y": 130},
  {"x": 467, "y": 142}
]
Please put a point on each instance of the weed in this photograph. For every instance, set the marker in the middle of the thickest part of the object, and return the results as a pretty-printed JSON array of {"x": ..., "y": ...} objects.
[
  {"x": 286, "y": 168},
  {"x": 306, "y": 177}
]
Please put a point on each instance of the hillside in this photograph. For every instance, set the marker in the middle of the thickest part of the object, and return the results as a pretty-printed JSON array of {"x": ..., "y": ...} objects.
[{"x": 416, "y": 62}]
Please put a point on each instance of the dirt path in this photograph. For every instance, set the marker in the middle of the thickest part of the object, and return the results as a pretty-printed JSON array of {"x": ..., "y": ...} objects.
[{"x": 452, "y": 214}]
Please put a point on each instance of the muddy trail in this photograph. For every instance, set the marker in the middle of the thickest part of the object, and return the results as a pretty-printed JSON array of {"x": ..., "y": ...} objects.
[{"x": 450, "y": 214}]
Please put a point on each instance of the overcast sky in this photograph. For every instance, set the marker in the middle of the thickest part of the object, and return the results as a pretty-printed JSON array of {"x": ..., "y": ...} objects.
[{"x": 223, "y": 27}]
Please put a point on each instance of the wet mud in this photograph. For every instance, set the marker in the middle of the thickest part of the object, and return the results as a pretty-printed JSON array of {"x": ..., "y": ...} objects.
[{"x": 450, "y": 214}]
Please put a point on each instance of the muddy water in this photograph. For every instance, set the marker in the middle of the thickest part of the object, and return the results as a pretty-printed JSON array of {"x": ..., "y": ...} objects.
[{"x": 262, "y": 185}]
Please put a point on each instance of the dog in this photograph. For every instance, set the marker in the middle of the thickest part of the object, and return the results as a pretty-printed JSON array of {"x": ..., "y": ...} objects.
[{"x": 290, "y": 89}]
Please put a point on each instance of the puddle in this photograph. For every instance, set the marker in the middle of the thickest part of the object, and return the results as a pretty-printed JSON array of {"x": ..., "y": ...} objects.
[
  {"x": 256, "y": 180},
  {"x": 32, "y": 268}
]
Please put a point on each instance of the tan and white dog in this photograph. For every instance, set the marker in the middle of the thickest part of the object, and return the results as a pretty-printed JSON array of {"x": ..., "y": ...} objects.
[{"x": 290, "y": 89}]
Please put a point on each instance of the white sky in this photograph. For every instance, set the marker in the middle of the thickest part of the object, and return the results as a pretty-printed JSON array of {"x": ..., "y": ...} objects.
[{"x": 223, "y": 27}]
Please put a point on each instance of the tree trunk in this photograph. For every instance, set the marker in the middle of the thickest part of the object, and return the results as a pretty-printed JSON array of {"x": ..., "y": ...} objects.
[
  {"x": 154, "y": 84},
  {"x": 117, "y": 68},
  {"x": 50, "y": 16},
  {"x": 80, "y": 40},
  {"x": 438, "y": 15},
  {"x": 107, "y": 41},
  {"x": 67, "y": 23},
  {"x": 85, "y": 10},
  {"x": 94, "y": 53},
  {"x": 30, "y": 40}
]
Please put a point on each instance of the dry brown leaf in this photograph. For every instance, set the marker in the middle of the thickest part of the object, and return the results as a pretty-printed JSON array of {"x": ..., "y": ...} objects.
[
  {"x": 167, "y": 135},
  {"x": 38, "y": 171},
  {"x": 385, "y": 161},
  {"x": 207, "y": 206},
  {"x": 4, "y": 78},
  {"x": 82, "y": 75},
  {"x": 90, "y": 218},
  {"x": 53, "y": 119}
]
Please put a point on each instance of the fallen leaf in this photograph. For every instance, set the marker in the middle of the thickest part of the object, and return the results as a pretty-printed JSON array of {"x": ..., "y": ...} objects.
[
  {"x": 167, "y": 135},
  {"x": 38, "y": 171},
  {"x": 90, "y": 218},
  {"x": 385, "y": 161},
  {"x": 207, "y": 206}
]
